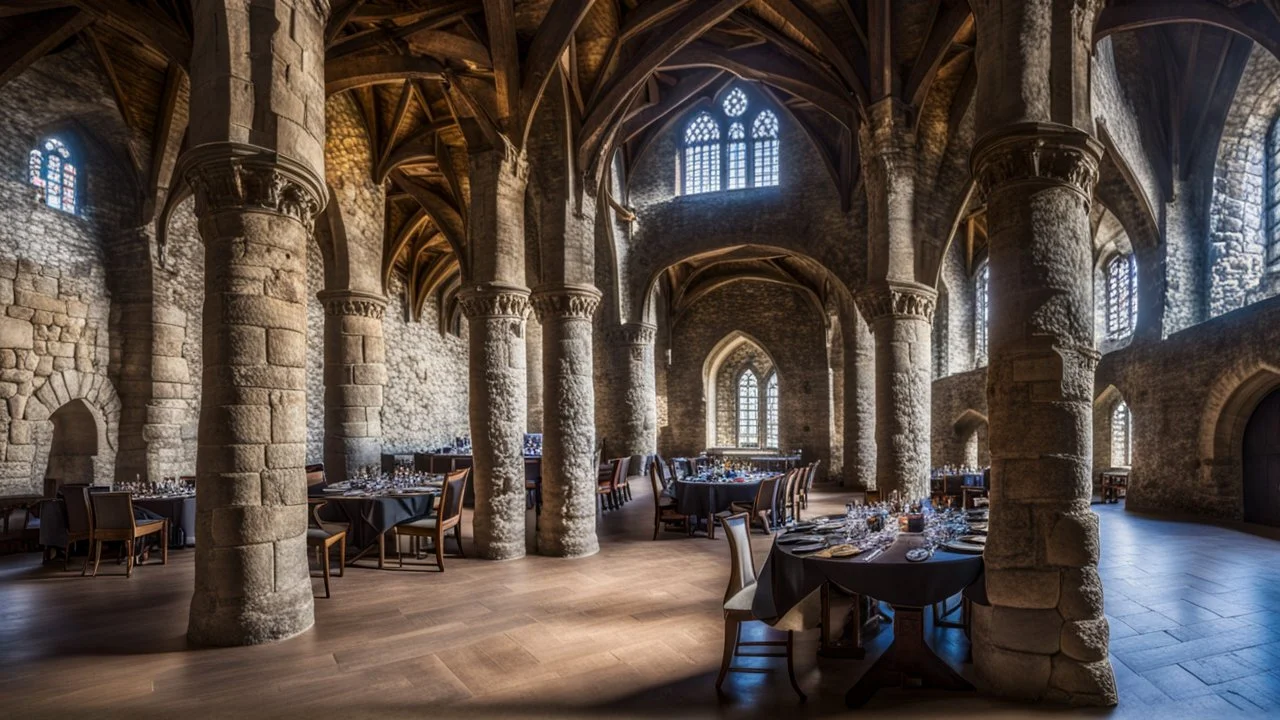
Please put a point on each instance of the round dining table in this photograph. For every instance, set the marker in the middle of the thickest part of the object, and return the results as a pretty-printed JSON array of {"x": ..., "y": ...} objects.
[
  {"x": 370, "y": 516},
  {"x": 180, "y": 510},
  {"x": 789, "y": 577},
  {"x": 704, "y": 498}
]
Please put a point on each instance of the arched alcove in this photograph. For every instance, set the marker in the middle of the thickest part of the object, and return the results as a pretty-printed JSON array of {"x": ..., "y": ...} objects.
[
  {"x": 736, "y": 354},
  {"x": 1112, "y": 432},
  {"x": 971, "y": 434},
  {"x": 73, "y": 449},
  {"x": 1260, "y": 460},
  {"x": 1232, "y": 403}
]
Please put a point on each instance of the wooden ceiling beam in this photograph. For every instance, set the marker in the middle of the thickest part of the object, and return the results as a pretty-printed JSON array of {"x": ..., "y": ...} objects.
[
  {"x": 806, "y": 21},
  {"x": 443, "y": 213},
  {"x": 553, "y": 37},
  {"x": 143, "y": 26},
  {"x": 14, "y": 8},
  {"x": 637, "y": 21},
  {"x": 364, "y": 70},
  {"x": 1252, "y": 20},
  {"x": 499, "y": 15},
  {"x": 40, "y": 33},
  {"x": 437, "y": 18},
  {"x": 689, "y": 86},
  {"x": 950, "y": 18}
]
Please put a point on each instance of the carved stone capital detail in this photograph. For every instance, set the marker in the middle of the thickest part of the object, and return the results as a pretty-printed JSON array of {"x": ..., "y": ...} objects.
[
  {"x": 240, "y": 177},
  {"x": 1039, "y": 153},
  {"x": 898, "y": 299},
  {"x": 639, "y": 333},
  {"x": 353, "y": 302},
  {"x": 494, "y": 300},
  {"x": 566, "y": 301}
]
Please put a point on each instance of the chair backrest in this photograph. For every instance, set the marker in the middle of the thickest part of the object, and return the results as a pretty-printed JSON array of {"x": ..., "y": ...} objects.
[
  {"x": 812, "y": 475},
  {"x": 765, "y": 493},
  {"x": 313, "y": 519},
  {"x": 620, "y": 468},
  {"x": 315, "y": 475},
  {"x": 655, "y": 479},
  {"x": 742, "y": 565},
  {"x": 455, "y": 487},
  {"x": 79, "y": 515},
  {"x": 673, "y": 466},
  {"x": 51, "y": 486},
  {"x": 112, "y": 511}
]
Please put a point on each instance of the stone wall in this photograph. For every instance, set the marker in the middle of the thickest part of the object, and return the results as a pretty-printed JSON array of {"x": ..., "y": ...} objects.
[
  {"x": 789, "y": 328},
  {"x": 954, "y": 325},
  {"x": 315, "y": 355},
  {"x": 1237, "y": 247},
  {"x": 959, "y": 430}
]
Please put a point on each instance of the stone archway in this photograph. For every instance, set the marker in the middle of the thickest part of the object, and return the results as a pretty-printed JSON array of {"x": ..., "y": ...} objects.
[
  {"x": 73, "y": 450},
  {"x": 970, "y": 430},
  {"x": 63, "y": 412},
  {"x": 726, "y": 361},
  {"x": 1232, "y": 402}
]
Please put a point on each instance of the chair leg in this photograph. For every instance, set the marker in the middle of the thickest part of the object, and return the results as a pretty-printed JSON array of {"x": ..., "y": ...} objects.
[
  {"x": 382, "y": 550},
  {"x": 395, "y": 535},
  {"x": 657, "y": 522},
  {"x": 791, "y": 665},
  {"x": 66, "y": 564},
  {"x": 457, "y": 534},
  {"x": 128, "y": 568},
  {"x": 731, "y": 630},
  {"x": 89, "y": 555},
  {"x": 439, "y": 540},
  {"x": 164, "y": 544},
  {"x": 342, "y": 556}
]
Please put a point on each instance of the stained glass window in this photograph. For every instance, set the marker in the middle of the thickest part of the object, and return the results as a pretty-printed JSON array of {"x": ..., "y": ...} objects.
[
  {"x": 1122, "y": 296},
  {"x": 771, "y": 411},
  {"x": 1273, "y": 193},
  {"x": 765, "y": 132},
  {"x": 748, "y": 410},
  {"x": 737, "y": 155},
  {"x": 702, "y": 155},
  {"x": 735, "y": 103},
  {"x": 50, "y": 168},
  {"x": 981, "y": 316},
  {"x": 1121, "y": 436}
]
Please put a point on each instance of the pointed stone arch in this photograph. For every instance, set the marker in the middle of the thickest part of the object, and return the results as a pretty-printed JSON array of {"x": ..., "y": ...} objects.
[
  {"x": 711, "y": 370},
  {"x": 96, "y": 394},
  {"x": 1232, "y": 400}
]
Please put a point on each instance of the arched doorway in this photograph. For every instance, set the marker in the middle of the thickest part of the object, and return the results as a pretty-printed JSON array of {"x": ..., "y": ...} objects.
[
  {"x": 75, "y": 444},
  {"x": 1262, "y": 463}
]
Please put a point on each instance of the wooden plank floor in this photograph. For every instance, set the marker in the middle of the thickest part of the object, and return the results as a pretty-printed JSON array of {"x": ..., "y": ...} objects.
[{"x": 634, "y": 631}]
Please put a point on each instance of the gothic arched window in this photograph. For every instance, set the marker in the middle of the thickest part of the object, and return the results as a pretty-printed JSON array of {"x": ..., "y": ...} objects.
[
  {"x": 1272, "y": 219},
  {"x": 981, "y": 315},
  {"x": 710, "y": 165},
  {"x": 771, "y": 411},
  {"x": 748, "y": 410},
  {"x": 1122, "y": 296},
  {"x": 50, "y": 167},
  {"x": 1121, "y": 436}
]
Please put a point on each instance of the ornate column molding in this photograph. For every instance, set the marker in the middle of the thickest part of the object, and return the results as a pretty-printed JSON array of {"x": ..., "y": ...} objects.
[
  {"x": 248, "y": 178},
  {"x": 639, "y": 333},
  {"x": 888, "y": 143},
  {"x": 495, "y": 299},
  {"x": 898, "y": 299},
  {"x": 353, "y": 302},
  {"x": 1040, "y": 153},
  {"x": 568, "y": 301}
]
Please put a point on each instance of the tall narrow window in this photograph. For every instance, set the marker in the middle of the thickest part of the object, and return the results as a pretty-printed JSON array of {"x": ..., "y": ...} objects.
[
  {"x": 1272, "y": 193},
  {"x": 737, "y": 157},
  {"x": 748, "y": 410},
  {"x": 981, "y": 315},
  {"x": 702, "y": 155},
  {"x": 50, "y": 167},
  {"x": 771, "y": 411},
  {"x": 765, "y": 133},
  {"x": 1121, "y": 436},
  {"x": 1122, "y": 298}
]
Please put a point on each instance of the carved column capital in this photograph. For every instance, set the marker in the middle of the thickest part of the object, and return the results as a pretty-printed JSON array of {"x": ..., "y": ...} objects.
[
  {"x": 353, "y": 302},
  {"x": 887, "y": 140},
  {"x": 898, "y": 299},
  {"x": 1037, "y": 153},
  {"x": 637, "y": 333},
  {"x": 495, "y": 300},
  {"x": 247, "y": 178},
  {"x": 567, "y": 301}
]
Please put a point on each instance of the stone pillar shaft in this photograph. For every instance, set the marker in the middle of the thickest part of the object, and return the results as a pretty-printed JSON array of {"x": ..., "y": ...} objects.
[
  {"x": 901, "y": 319},
  {"x": 632, "y": 346},
  {"x": 496, "y": 314},
  {"x": 568, "y": 522},
  {"x": 355, "y": 373},
  {"x": 255, "y": 210},
  {"x": 1044, "y": 634},
  {"x": 859, "y": 403}
]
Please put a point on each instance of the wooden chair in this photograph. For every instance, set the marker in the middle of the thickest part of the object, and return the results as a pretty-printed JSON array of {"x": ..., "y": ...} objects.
[
  {"x": 805, "y": 487},
  {"x": 113, "y": 520},
  {"x": 762, "y": 508},
  {"x": 608, "y": 492},
  {"x": 79, "y": 522},
  {"x": 322, "y": 539},
  {"x": 790, "y": 495},
  {"x": 664, "y": 508},
  {"x": 738, "y": 599},
  {"x": 447, "y": 517},
  {"x": 315, "y": 475}
]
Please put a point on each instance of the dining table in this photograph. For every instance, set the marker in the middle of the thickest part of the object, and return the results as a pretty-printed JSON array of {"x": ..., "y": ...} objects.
[
  {"x": 369, "y": 515},
  {"x": 179, "y": 509},
  {"x": 702, "y": 498},
  {"x": 789, "y": 576}
]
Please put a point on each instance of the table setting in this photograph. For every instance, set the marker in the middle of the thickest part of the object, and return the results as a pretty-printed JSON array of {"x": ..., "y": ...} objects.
[{"x": 372, "y": 502}]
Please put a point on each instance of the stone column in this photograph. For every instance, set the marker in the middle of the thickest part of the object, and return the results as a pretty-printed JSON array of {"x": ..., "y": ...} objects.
[
  {"x": 568, "y": 522},
  {"x": 533, "y": 340},
  {"x": 1044, "y": 634},
  {"x": 859, "y": 402},
  {"x": 901, "y": 319},
  {"x": 355, "y": 373},
  {"x": 496, "y": 314},
  {"x": 255, "y": 211},
  {"x": 632, "y": 347}
]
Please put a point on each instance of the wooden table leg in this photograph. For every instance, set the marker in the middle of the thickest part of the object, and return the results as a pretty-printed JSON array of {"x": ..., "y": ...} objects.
[
  {"x": 909, "y": 656},
  {"x": 849, "y": 644}
]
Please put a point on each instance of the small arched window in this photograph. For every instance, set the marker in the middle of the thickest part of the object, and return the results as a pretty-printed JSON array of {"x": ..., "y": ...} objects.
[
  {"x": 748, "y": 410},
  {"x": 702, "y": 155},
  {"x": 1272, "y": 224},
  {"x": 765, "y": 133},
  {"x": 771, "y": 411},
  {"x": 51, "y": 167},
  {"x": 1122, "y": 296},
  {"x": 981, "y": 315},
  {"x": 739, "y": 162},
  {"x": 1121, "y": 436}
]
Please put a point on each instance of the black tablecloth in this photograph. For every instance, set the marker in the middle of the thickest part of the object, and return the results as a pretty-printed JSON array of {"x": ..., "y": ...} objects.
[
  {"x": 181, "y": 512},
  {"x": 786, "y": 579},
  {"x": 708, "y": 498},
  {"x": 372, "y": 516}
]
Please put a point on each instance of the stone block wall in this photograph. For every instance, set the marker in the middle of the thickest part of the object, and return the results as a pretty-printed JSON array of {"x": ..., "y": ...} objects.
[{"x": 959, "y": 428}]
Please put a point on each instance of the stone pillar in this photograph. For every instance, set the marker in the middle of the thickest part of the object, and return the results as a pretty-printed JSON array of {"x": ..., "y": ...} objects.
[
  {"x": 859, "y": 403},
  {"x": 632, "y": 348},
  {"x": 533, "y": 340},
  {"x": 355, "y": 373},
  {"x": 1044, "y": 634},
  {"x": 496, "y": 314},
  {"x": 255, "y": 210},
  {"x": 568, "y": 522},
  {"x": 901, "y": 319}
]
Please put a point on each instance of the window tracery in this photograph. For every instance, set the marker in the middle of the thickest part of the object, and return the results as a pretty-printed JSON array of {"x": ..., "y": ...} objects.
[
  {"x": 771, "y": 411},
  {"x": 1122, "y": 296},
  {"x": 50, "y": 167},
  {"x": 738, "y": 162},
  {"x": 748, "y": 410}
]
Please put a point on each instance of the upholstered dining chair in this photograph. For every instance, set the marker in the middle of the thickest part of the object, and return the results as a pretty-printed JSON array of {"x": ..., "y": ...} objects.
[
  {"x": 315, "y": 475},
  {"x": 610, "y": 492},
  {"x": 762, "y": 508},
  {"x": 448, "y": 517},
  {"x": 739, "y": 596},
  {"x": 113, "y": 520},
  {"x": 322, "y": 539},
  {"x": 79, "y": 522},
  {"x": 807, "y": 485},
  {"x": 664, "y": 508}
]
